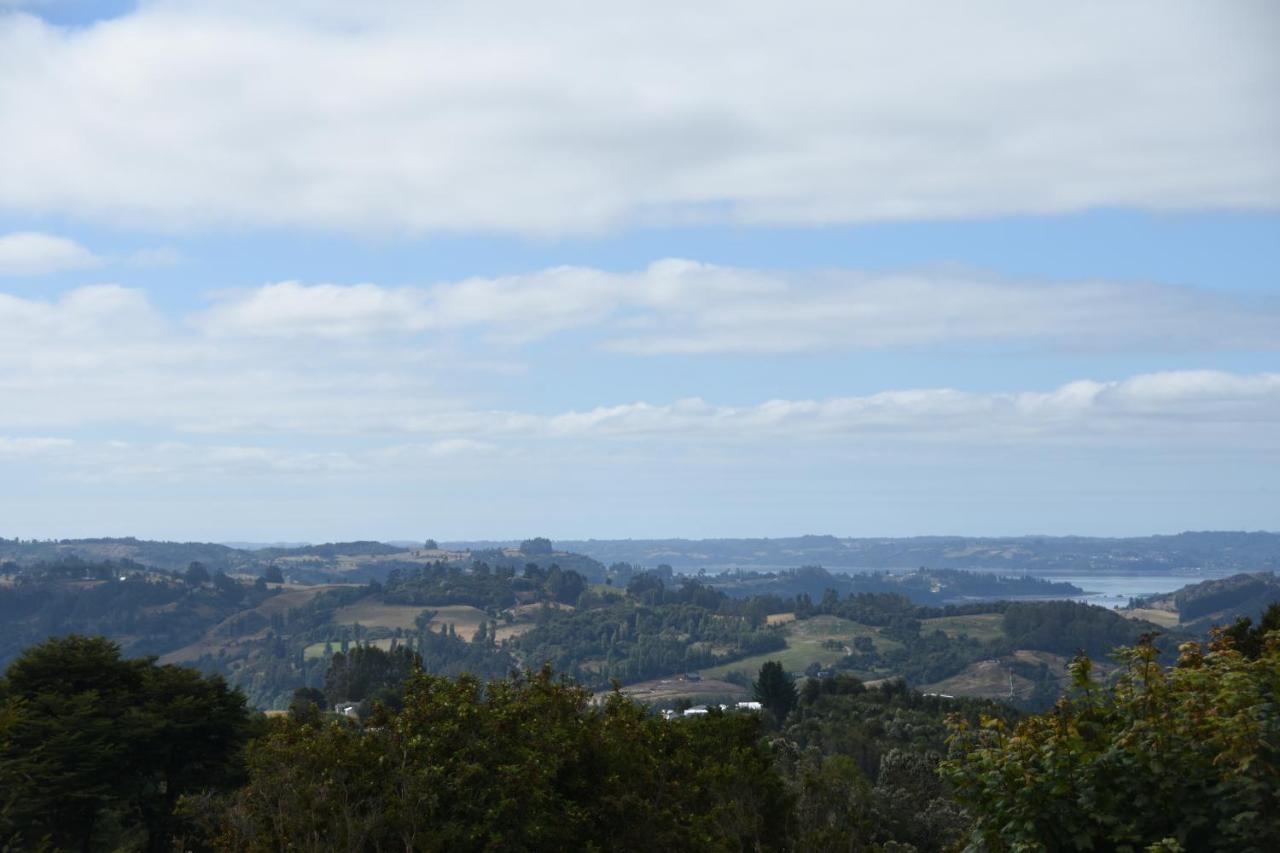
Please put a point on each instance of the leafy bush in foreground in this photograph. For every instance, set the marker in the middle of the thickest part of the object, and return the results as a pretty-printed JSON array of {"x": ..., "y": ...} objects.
[{"x": 1185, "y": 757}]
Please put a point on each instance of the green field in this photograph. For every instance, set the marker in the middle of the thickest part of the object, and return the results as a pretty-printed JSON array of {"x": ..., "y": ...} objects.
[
  {"x": 983, "y": 626},
  {"x": 374, "y": 613},
  {"x": 804, "y": 646}
]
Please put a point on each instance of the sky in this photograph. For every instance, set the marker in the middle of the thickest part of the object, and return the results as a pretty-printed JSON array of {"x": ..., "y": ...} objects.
[{"x": 324, "y": 270}]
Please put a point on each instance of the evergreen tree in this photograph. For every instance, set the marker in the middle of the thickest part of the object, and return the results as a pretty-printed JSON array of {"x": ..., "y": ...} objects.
[
  {"x": 775, "y": 690},
  {"x": 95, "y": 750}
]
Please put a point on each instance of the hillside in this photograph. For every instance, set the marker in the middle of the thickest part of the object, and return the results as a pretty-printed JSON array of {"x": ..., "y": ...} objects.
[
  {"x": 1215, "y": 551},
  {"x": 1197, "y": 607},
  {"x": 488, "y": 618}
]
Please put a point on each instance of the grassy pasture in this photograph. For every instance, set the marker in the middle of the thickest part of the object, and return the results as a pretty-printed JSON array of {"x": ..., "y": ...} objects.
[
  {"x": 982, "y": 626},
  {"x": 375, "y": 613},
  {"x": 1163, "y": 618},
  {"x": 986, "y": 679},
  {"x": 804, "y": 646}
]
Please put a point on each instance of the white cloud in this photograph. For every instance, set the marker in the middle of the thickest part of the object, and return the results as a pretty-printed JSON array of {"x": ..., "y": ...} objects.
[
  {"x": 105, "y": 359},
  {"x": 554, "y": 118},
  {"x": 1175, "y": 415},
  {"x": 684, "y": 307},
  {"x": 1173, "y": 406},
  {"x": 33, "y": 253}
]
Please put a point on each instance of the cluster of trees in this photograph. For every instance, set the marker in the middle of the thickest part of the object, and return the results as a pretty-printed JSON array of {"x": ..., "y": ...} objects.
[
  {"x": 442, "y": 583},
  {"x": 1069, "y": 627},
  {"x": 632, "y": 642},
  {"x": 479, "y": 585},
  {"x": 369, "y": 674}
]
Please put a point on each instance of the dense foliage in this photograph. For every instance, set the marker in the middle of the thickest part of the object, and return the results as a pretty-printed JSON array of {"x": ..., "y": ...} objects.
[
  {"x": 630, "y": 642},
  {"x": 1068, "y": 627},
  {"x": 1187, "y": 755},
  {"x": 528, "y": 764},
  {"x": 95, "y": 750}
]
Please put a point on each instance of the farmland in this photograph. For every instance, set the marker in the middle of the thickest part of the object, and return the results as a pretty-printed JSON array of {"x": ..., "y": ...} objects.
[{"x": 809, "y": 641}]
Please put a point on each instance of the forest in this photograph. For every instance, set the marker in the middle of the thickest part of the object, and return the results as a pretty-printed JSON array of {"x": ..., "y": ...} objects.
[
  {"x": 500, "y": 705},
  {"x": 99, "y": 751}
]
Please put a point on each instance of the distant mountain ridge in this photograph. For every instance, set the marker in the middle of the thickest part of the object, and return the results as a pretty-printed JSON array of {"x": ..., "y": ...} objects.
[
  {"x": 1190, "y": 551},
  {"x": 1217, "y": 551}
]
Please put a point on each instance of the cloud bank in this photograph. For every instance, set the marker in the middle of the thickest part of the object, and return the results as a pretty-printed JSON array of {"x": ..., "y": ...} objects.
[
  {"x": 555, "y": 118},
  {"x": 677, "y": 306},
  {"x": 105, "y": 356}
]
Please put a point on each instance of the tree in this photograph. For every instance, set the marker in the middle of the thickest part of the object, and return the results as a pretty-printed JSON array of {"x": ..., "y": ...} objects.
[
  {"x": 565, "y": 586},
  {"x": 196, "y": 574},
  {"x": 1248, "y": 638},
  {"x": 96, "y": 750},
  {"x": 307, "y": 705},
  {"x": 1184, "y": 754},
  {"x": 272, "y": 574},
  {"x": 775, "y": 690},
  {"x": 539, "y": 545}
]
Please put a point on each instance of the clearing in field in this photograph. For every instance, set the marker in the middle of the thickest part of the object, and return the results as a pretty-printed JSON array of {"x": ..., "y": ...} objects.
[
  {"x": 373, "y": 612},
  {"x": 1163, "y": 618},
  {"x": 984, "y": 679},
  {"x": 981, "y": 626},
  {"x": 991, "y": 679},
  {"x": 807, "y": 643}
]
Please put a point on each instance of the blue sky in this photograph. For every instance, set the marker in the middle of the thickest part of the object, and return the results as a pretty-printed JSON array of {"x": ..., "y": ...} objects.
[{"x": 316, "y": 271}]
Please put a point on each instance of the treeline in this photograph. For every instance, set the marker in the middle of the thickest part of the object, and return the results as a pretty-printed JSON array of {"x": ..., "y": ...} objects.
[
  {"x": 440, "y": 584},
  {"x": 479, "y": 585},
  {"x": 631, "y": 642}
]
